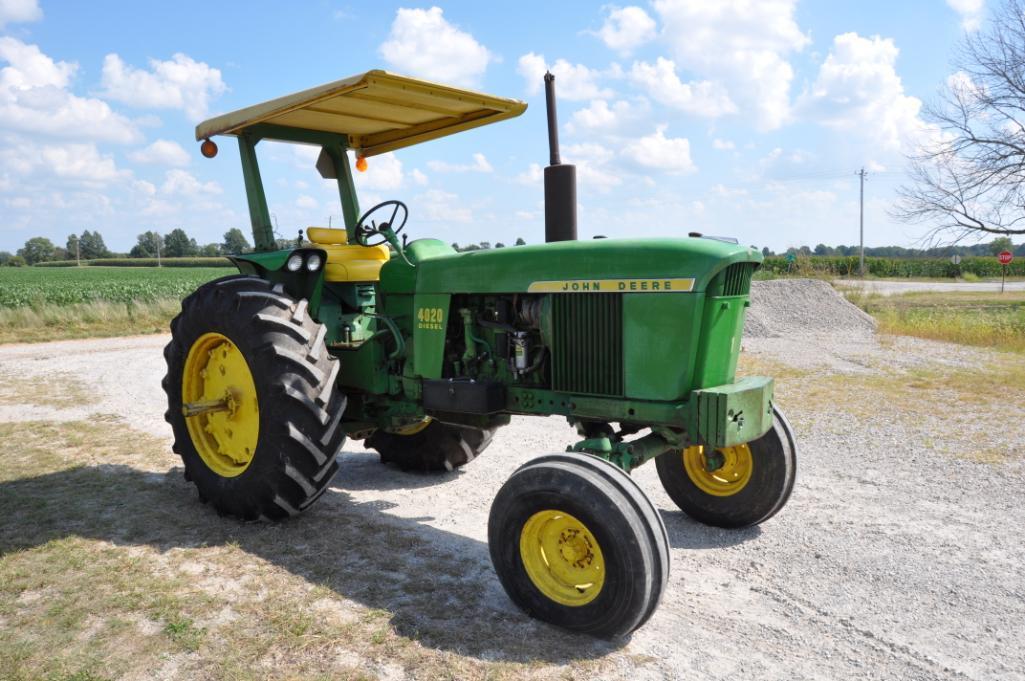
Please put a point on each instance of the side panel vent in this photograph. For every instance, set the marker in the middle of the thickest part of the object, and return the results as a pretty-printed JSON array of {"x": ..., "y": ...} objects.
[
  {"x": 588, "y": 338},
  {"x": 737, "y": 279}
]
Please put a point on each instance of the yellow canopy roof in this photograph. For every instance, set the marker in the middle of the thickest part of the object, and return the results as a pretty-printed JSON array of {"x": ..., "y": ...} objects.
[{"x": 377, "y": 110}]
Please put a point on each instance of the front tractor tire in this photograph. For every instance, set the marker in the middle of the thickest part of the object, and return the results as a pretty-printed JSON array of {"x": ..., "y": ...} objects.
[
  {"x": 251, "y": 399},
  {"x": 747, "y": 484},
  {"x": 576, "y": 543},
  {"x": 431, "y": 446}
]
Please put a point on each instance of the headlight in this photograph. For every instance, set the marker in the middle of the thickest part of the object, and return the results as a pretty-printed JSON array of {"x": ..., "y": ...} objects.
[
  {"x": 313, "y": 262},
  {"x": 295, "y": 262}
]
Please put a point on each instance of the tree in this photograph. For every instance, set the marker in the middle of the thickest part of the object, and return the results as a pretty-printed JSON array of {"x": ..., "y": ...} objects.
[
  {"x": 146, "y": 245},
  {"x": 5, "y": 257},
  {"x": 499, "y": 244},
  {"x": 16, "y": 261},
  {"x": 823, "y": 249},
  {"x": 210, "y": 250},
  {"x": 999, "y": 244},
  {"x": 766, "y": 251},
  {"x": 38, "y": 249},
  {"x": 92, "y": 246},
  {"x": 72, "y": 247},
  {"x": 177, "y": 244},
  {"x": 967, "y": 178},
  {"x": 234, "y": 241},
  {"x": 520, "y": 242}
]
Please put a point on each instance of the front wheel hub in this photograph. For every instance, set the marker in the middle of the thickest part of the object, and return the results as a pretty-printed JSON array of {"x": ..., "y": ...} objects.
[
  {"x": 720, "y": 472},
  {"x": 562, "y": 558},
  {"x": 220, "y": 405}
]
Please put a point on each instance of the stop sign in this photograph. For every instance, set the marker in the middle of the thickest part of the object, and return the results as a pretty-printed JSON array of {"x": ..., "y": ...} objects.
[{"x": 1005, "y": 257}]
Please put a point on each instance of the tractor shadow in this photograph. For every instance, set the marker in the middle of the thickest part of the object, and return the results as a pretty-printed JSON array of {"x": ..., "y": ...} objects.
[
  {"x": 439, "y": 587},
  {"x": 363, "y": 471},
  {"x": 685, "y": 533}
]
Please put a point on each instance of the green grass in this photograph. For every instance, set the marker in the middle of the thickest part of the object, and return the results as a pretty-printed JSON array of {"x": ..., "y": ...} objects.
[
  {"x": 43, "y": 304},
  {"x": 51, "y": 321},
  {"x": 34, "y": 287},
  {"x": 991, "y": 320}
]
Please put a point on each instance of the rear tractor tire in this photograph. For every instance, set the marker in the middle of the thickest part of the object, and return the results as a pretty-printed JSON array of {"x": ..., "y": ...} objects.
[
  {"x": 431, "y": 446},
  {"x": 576, "y": 543},
  {"x": 751, "y": 484},
  {"x": 251, "y": 399}
]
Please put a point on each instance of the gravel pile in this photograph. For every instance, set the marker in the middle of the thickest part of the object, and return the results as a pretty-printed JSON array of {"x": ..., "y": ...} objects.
[{"x": 801, "y": 307}]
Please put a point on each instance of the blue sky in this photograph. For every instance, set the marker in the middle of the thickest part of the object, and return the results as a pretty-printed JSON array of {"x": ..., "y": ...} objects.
[{"x": 737, "y": 117}]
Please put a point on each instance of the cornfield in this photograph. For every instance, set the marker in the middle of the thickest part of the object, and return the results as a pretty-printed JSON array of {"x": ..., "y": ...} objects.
[{"x": 33, "y": 286}]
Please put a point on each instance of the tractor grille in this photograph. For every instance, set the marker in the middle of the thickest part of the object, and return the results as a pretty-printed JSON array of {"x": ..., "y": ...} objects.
[
  {"x": 737, "y": 279},
  {"x": 587, "y": 357}
]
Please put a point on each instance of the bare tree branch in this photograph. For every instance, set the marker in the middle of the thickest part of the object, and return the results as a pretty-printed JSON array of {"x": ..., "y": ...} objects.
[{"x": 968, "y": 179}]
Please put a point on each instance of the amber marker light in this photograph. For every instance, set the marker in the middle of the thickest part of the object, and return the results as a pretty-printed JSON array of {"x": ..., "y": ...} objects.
[
  {"x": 361, "y": 164},
  {"x": 208, "y": 148}
]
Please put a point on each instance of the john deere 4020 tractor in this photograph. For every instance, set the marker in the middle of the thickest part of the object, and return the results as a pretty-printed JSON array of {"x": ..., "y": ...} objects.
[{"x": 424, "y": 353}]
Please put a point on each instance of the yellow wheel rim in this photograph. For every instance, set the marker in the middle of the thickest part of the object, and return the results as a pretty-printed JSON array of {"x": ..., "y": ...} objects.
[
  {"x": 562, "y": 558},
  {"x": 220, "y": 405},
  {"x": 726, "y": 480}
]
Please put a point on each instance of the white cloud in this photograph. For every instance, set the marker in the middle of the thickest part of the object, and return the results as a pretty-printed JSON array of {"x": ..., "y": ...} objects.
[
  {"x": 383, "y": 173},
  {"x": 971, "y": 12},
  {"x": 66, "y": 166},
  {"x": 480, "y": 165},
  {"x": 184, "y": 183},
  {"x": 723, "y": 145},
  {"x": 179, "y": 83},
  {"x": 439, "y": 206},
  {"x": 572, "y": 81},
  {"x": 422, "y": 43},
  {"x": 599, "y": 116},
  {"x": 742, "y": 44},
  {"x": 145, "y": 188},
  {"x": 419, "y": 177},
  {"x": 82, "y": 162},
  {"x": 162, "y": 152},
  {"x": 627, "y": 28},
  {"x": 533, "y": 175},
  {"x": 34, "y": 97},
  {"x": 19, "y": 11},
  {"x": 858, "y": 89},
  {"x": 592, "y": 162},
  {"x": 670, "y": 154},
  {"x": 702, "y": 98},
  {"x": 306, "y": 202}
]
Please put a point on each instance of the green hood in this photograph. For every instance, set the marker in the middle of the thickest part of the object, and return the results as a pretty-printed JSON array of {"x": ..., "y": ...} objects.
[{"x": 514, "y": 269}]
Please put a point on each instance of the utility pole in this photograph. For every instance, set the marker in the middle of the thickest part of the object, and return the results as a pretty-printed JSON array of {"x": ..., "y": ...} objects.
[
  {"x": 78, "y": 252},
  {"x": 861, "y": 221},
  {"x": 158, "y": 250}
]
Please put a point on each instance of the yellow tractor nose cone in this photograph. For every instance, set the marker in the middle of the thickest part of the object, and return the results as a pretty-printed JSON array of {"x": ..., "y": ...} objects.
[{"x": 220, "y": 405}]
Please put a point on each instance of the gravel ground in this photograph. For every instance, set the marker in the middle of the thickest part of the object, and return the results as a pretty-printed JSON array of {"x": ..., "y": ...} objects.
[
  {"x": 889, "y": 287},
  {"x": 893, "y": 559}
]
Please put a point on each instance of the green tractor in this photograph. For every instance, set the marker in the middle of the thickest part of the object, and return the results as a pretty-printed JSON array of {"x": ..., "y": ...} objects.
[{"x": 423, "y": 353}]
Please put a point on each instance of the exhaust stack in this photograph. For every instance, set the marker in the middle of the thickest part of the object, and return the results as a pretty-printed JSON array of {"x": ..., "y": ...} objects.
[{"x": 560, "y": 180}]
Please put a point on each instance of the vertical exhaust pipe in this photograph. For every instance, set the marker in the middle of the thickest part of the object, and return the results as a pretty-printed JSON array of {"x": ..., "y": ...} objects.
[{"x": 560, "y": 180}]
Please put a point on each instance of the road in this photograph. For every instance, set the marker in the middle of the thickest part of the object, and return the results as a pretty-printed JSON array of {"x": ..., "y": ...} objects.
[{"x": 889, "y": 287}]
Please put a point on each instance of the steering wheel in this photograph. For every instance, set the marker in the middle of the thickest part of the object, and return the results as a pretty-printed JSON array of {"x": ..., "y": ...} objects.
[{"x": 365, "y": 233}]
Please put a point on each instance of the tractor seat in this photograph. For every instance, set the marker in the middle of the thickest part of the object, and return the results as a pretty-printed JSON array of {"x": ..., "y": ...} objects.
[{"x": 348, "y": 262}]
